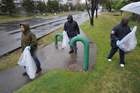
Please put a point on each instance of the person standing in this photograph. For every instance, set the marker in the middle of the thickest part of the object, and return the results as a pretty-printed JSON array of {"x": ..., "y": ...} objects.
[
  {"x": 29, "y": 39},
  {"x": 117, "y": 34},
  {"x": 72, "y": 29}
]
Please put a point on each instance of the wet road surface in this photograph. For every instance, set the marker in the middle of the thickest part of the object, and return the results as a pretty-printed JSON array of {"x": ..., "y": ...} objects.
[{"x": 10, "y": 33}]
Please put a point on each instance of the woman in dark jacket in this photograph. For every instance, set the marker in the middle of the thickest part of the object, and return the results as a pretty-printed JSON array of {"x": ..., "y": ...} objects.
[{"x": 29, "y": 39}]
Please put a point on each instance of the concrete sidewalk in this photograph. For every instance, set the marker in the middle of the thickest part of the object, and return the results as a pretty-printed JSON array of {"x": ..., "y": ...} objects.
[{"x": 51, "y": 57}]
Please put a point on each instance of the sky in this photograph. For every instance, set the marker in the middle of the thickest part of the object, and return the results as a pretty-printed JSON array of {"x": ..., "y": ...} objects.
[{"x": 83, "y": 1}]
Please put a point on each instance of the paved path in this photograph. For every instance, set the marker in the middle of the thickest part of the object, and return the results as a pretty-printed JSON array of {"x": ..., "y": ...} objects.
[{"x": 51, "y": 57}]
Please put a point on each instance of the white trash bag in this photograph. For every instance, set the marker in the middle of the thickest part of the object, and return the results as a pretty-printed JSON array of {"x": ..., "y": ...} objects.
[
  {"x": 65, "y": 40},
  {"x": 129, "y": 42},
  {"x": 27, "y": 60}
]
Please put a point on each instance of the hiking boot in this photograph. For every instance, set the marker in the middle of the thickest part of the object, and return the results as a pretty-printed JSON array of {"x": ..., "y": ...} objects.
[
  {"x": 24, "y": 73},
  {"x": 71, "y": 51},
  {"x": 75, "y": 51},
  {"x": 38, "y": 70}
]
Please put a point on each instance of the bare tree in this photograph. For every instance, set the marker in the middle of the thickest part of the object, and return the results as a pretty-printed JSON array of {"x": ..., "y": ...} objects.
[{"x": 94, "y": 6}]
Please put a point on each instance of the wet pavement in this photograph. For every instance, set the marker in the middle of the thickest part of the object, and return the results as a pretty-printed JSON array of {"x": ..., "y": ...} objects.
[
  {"x": 52, "y": 57},
  {"x": 10, "y": 33}
]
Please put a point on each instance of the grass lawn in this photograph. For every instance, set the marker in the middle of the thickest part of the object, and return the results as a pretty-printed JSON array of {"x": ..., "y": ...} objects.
[
  {"x": 14, "y": 17},
  {"x": 107, "y": 77}
]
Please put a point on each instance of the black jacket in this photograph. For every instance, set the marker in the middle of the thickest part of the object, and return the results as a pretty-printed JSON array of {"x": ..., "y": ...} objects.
[
  {"x": 120, "y": 32},
  {"x": 71, "y": 27}
]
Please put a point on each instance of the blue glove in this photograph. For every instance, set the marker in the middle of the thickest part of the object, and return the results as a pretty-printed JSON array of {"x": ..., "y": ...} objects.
[
  {"x": 78, "y": 34},
  {"x": 28, "y": 48},
  {"x": 118, "y": 43}
]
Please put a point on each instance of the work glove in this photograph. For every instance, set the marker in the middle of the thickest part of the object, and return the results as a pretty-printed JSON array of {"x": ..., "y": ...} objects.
[
  {"x": 118, "y": 43},
  {"x": 28, "y": 48},
  {"x": 78, "y": 34}
]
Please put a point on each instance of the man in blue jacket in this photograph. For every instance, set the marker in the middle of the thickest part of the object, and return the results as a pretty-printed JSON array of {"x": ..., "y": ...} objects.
[
  {"x": 72, "y": 29},
  {"x": 118, "y": 33}
]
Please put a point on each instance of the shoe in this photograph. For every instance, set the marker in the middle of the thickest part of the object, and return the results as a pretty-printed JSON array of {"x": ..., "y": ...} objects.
[
  {"x": 38, "y": 70},
  {"x": 122, "y": 65},
  {"x": 24, "y": 73},
  {"x": 75, "y": 51},
  {"x": 109, "y": 60},
  {"x": 71, "y": 51}
]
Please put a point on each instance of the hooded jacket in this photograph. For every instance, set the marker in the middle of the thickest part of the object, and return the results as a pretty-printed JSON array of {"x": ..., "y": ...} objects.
[
  {"x": 120, "y": 31},
  {"x": 28, "y": 39},
  {"x": 71, "y": 27}
]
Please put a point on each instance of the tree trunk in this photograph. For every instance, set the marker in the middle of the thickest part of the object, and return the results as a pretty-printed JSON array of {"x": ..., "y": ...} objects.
[
  {"x": 96, "y": 12},
  {"x": 92, "y": 21},
  {"x": 92, "y": 14},
  {"x": 10, "y": 13}
]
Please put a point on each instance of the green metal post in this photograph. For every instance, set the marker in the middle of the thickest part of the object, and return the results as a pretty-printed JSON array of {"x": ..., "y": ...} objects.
[
  {"x": 86, "y": 48},
  {"x": 55, "y": 37}
]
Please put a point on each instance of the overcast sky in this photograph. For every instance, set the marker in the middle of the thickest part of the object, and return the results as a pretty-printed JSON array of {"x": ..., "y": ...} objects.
[{"x": 83, "y": 1}]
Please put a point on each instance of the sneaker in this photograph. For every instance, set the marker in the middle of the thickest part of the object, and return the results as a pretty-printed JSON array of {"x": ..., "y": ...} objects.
[
  {"x": 109, "y": 60},
  {"x": 122, "y": 65}
]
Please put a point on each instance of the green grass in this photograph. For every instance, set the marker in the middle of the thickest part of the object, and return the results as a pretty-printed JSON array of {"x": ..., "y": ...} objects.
[
  {"x": 15, "y": 17},
  {"x": 107, "y": 77}
]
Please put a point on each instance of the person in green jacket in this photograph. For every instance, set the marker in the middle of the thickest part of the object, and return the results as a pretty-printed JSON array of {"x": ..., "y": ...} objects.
[{"x": 28, "y": 38}]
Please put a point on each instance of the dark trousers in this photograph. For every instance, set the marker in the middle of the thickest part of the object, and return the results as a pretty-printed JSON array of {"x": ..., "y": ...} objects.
[
  {"x": 74, "y": 47},
  {"x": 121, "y": 52}
]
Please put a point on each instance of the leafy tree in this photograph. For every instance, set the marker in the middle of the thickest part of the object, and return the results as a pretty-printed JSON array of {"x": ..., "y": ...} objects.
[
  {"x": 119, "y": 5},
  {"x": 8, "y": 5},
  {"x": 115, "y": 2},
  {"x": 107, "y": 4},
  {"x": 52, "y": 6},
  {"x": 49, "y": 6},
  {"x": 41, "y": 6},
  {"x": 28, "y": 5},
  {"x": 94, "y": 5},
  {"x": 55, "y": 5},
  {"x": 65, "y": 7}
]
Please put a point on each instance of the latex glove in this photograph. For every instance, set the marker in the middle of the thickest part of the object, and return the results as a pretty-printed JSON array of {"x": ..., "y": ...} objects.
[
  {"x": 78, "y": 34},
  {"x": 64, "y": 32},
  {"x": 28, "y": 48},
  {"x": 118, "y": 43}
]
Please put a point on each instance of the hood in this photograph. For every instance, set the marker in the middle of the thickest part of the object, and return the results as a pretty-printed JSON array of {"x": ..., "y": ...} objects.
[
  {"x": 26, "y": 27},
  {"x": 70, "y": 17},
  {"x": 123, "y": 24}
]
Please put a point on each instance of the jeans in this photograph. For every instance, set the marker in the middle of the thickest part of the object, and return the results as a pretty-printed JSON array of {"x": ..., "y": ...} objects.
[
  {"x": 36, "y": 60},
  {"x": 121, "y": 52},
  {"x": 74, "y": 47}
]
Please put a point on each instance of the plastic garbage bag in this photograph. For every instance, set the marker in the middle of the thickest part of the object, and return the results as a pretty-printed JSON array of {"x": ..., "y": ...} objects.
[
  {"x": 129, "y": 42},
  {"x": 65, "y": 40},
  {"x": 27, "y": 60}
]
